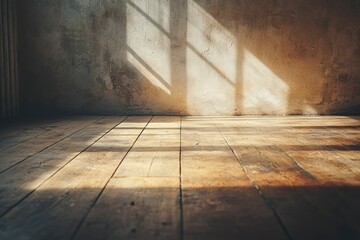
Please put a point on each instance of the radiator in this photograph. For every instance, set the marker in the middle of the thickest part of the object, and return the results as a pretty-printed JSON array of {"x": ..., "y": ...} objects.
[{"x": 9, "y": 81}]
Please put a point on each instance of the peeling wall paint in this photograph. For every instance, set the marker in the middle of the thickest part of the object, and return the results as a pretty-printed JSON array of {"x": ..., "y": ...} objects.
[{"x": 198, "y": 57}]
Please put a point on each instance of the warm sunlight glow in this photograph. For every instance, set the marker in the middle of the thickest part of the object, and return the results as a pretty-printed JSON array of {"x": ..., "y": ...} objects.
[
  {"x": 263, "y": 91},
  {"x": 211, "y": 74},
  {"x": 147, "y": 73},
  {"x": 309, "y": 110},
  {"x": 158, "y": 11},
  {"x": 211, "y": 64},
  {"x": 148, "y": 42}
]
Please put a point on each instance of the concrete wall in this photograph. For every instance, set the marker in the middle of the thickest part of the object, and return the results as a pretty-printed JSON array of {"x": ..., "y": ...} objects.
[{"x": 200, "y": 57}]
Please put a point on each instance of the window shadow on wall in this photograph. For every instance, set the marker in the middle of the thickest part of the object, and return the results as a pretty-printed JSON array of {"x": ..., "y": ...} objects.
[
  {"x": 292, "y": 57},
  {"x": 189, "y": 57}
]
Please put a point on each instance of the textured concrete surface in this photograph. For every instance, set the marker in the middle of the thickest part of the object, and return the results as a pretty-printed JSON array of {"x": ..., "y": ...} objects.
[{"x": 201, "y": 57}]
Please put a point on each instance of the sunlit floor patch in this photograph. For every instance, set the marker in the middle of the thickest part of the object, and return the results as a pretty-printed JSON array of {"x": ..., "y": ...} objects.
[{"x": 173, "y": 177}]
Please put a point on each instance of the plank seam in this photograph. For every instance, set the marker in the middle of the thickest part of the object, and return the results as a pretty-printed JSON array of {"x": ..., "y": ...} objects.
[
  {"x": 50, "y": 145},
  {"x": 47, "y": 179},
  {"x": 253, "y": 182},
  {"x": 339, "y": 134},
  {"x": 25, "y": 140},
  {"x": 294, "y": 160},
  {"x": 81, "y": 222},
  {"x": 180, "y": 187}
]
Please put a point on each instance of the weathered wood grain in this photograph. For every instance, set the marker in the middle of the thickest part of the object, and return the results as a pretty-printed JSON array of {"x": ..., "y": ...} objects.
[
  {"x": 25, "y": 177},
  {"x": 291, "y": 188},
  {"x": 22, "y": 151},
  {"x": 24, "y": 131},
  {"x": 218, "y": 198},
  {"x": 156, "y": 153},
  {"x": 135, "y": 208},
  {"x": 145, "y": 190},
  {"x": 182, "y": 178},
  {"x": 56, "y": 208}
]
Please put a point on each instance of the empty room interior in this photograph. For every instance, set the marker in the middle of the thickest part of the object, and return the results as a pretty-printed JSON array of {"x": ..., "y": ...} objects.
[{"x": 179, "y": 119}]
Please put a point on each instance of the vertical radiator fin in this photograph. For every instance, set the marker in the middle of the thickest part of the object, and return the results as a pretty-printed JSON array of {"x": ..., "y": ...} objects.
[{"x": 9, "y": 82}]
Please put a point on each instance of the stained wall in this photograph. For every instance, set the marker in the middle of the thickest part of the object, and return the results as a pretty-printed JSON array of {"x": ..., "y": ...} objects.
[{"x": 196, "y": 57}]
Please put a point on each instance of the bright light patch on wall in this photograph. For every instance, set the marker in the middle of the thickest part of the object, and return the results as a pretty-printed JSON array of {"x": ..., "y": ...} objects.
[
  {"x": 207, "y": 92},
  {"x": 157, "y": 10},
  {"x": 211, "y": 58},
  {"x": 263, "y": 91},
  {"x": 148, "y": 74},
  {"x": 147, "y": 26},
  {"x": 309, "y": 110},
  {"x": 215, "y": 43}
]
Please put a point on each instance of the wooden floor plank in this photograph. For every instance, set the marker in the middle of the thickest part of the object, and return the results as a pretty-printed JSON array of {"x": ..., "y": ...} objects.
[
  {"x": 156, "y": 153},
  {"x": 145, "y": 190},
  {"x": 21, "y": 133},
  {"x": 294, "y": 177},
  {"x": 19, "y": 152},
  {"x": 218, "y": 198},
  {"x": 332, "y": 197},
  {"x": 56, "y": 208},
  {"x": 136, "y": 208},
  {"x": 295, "y": 194},
  {"x": 315, "y": 154},
  {"x": 24, "y": 178},
  {"x": 345, "y": 138}
]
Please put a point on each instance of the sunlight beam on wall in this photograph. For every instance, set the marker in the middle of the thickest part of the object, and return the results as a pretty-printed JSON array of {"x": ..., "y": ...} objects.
[
  {"x": 309, "y": 110},
  {"x": 157, "y": 10},
  {"x": 263, "y": 91},
  {"x": 147, "y": 29},
  {"x": 211, "y": 57}
]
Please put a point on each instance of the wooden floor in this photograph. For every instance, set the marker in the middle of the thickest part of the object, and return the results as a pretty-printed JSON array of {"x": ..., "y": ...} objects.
[{"x": 91, "y": 177}]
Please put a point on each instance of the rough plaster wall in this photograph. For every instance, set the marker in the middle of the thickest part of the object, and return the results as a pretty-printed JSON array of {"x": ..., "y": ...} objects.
[{"x": 201, "y": 57}]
